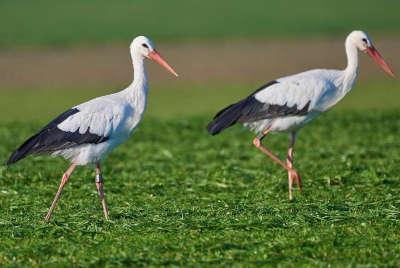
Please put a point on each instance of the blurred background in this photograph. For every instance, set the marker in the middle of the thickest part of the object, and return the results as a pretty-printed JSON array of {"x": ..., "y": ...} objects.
[{"x": 54, "y": 54}]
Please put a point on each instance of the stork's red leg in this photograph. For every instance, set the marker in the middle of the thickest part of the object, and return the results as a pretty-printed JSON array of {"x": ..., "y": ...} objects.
[
  {"x": 257, "y": 141},
  {"x": 292, "y": 175},
  {"x": 100, "y": 190},
  {"x": 64, "y": 180}
]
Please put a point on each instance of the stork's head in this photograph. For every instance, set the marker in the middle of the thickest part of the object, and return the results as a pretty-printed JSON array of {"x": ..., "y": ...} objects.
[
  {"x": 142, "y": 47},
  {"x": 363, "y": 42}
]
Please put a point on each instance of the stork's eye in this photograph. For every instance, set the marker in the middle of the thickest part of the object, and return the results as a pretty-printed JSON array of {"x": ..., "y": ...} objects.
[
  {"x": 365, "y": 40},
  {"x": 145, "y": 45}
]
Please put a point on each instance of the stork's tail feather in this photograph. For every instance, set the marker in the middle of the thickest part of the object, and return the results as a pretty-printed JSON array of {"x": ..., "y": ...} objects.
[
  {"x": 225, "y": 118},
  {"x": 24, "y": 150}
]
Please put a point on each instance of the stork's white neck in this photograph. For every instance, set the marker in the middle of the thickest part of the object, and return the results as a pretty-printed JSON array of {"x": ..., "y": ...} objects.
[
  {"x": 351, "y": 71},
  {"x": 137, "y": 90}
]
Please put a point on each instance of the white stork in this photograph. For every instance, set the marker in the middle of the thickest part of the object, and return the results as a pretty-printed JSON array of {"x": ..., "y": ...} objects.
[
  {"x": 288, "y": 103},
  {"x": 89, "y": 131}
]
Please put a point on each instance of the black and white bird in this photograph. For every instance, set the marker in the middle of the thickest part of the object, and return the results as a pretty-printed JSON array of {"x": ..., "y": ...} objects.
[
  {"x": 86, "y": 133},
  {"x": 288, "y": 103}
]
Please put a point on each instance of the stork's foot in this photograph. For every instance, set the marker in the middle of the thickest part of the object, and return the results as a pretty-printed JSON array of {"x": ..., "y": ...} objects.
[
  {"x": 294, "y": 177},
  {"x": 100, "y": 190}
]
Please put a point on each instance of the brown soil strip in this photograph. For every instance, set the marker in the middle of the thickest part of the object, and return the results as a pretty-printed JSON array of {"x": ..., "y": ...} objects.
[{"x": 230, "y": 62}]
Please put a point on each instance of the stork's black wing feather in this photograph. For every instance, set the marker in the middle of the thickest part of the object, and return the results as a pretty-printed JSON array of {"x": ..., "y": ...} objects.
[
  {"x": 51, "y": 138},
  {"x": 250, "y": 110}
]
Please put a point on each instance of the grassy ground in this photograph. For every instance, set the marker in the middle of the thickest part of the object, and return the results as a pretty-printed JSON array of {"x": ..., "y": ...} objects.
[
  {"x": 181, "y": 101},
  {"x": 180, "y": 197},
  {"x": 62, "y": 23}
]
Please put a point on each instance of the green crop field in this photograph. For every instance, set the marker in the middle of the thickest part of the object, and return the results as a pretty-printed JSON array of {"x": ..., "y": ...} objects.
[
  {"x": 64, "y": 23},
  {"x": 177, "y": 101},
  {"x": 179, "y": 197}
]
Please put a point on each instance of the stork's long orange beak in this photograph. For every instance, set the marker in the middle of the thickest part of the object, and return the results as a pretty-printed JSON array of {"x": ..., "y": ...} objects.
[
  {"x": 376, "y": 56},
  {"x": 155, "y": 56}
]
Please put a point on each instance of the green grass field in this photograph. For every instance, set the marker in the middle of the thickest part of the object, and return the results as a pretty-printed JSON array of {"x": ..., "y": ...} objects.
[
  {"x": 180, "y": 197},
  {"x": 64, "y": 23},
  {"x": 177, "y": 101}
]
